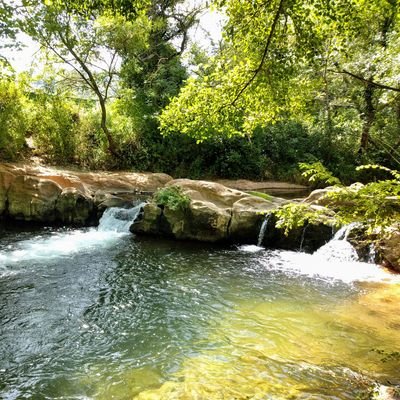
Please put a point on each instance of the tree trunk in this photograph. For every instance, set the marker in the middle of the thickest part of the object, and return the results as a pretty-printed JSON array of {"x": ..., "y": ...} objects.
[
  {"x": 112, "y": 148},
  {"x": 369, "y": 117}
]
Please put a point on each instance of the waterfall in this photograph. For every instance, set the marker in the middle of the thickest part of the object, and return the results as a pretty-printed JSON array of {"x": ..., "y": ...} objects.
[
  {"x": 263, "y": 229},
  {"x": 338, "y": 248},
  {"x": 117, "y": 219},
  {"x": 344, "y": 232},
  {"x": 114, "y": 225}
]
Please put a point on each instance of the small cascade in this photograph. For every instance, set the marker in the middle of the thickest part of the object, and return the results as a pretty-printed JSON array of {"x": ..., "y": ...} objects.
[
  {"x": 116, "y": 219},
  {"x": 303, "y": 235},
  {"x": 114, "y": 224},
  {"x": 339, "y": 249},
  {"x": 263, "y": 229},
  {"x": 371, "y": 258},
  {"x": 344, "y": 232}
]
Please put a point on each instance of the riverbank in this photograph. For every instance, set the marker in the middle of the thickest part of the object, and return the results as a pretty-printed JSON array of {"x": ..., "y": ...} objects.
[{"x": 215, "y": 213}]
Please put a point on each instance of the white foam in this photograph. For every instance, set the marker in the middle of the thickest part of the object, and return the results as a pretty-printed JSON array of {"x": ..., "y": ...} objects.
[
  {"x": 318, "y": 266},
  {"x": 113, "y": 225},
  {"x": 117, "y": 219},
  {"x": 250, "y": 248}
]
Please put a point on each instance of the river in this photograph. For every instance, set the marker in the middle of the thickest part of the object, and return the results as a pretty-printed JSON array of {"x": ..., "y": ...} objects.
[{"x": 97, "y": 313}]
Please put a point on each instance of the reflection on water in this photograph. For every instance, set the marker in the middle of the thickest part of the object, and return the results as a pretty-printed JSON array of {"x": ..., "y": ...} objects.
[{"x": 128, "y": 318}]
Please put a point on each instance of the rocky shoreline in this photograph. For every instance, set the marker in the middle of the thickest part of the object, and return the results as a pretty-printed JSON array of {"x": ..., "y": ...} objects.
[
  {"x": 47, "y": 195},
  {"x": 215, "y": 213}
]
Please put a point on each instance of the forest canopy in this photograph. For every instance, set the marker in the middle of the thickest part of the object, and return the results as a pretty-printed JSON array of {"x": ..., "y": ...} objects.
[{"x": 122, "y": 84}]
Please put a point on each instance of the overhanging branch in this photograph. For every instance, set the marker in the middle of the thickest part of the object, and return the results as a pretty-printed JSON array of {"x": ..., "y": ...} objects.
[
  {"x": 265, "y": 53},
  {"x": 365, "y": 80}
]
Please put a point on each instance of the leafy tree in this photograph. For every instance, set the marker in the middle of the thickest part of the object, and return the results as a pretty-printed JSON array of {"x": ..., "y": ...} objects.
[
  {"x": 13, "y": 119},
  {"x": 80, "y": 43},
  {"x": 330, "y": 65}
]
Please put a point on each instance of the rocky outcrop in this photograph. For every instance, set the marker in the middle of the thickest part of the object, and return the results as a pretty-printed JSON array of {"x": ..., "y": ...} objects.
[
  {"x": 6, "y": 179},
  {"x": 271, "y": 187},
  {"x": 247, "y": 216},
  {"x": 48, "y": 195},
  {"x": 217, "y": 214},
  {"x": 380, "y": 246},
  {"x": 33, "y": 199},
  {"x": 388, "y": 250},
  {"x": 207, "y": 218}
]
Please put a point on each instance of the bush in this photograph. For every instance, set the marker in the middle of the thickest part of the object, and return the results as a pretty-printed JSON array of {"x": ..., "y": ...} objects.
[
  {"x": 55, "y": 124},
  {"x": 172, "y": 197},
  {"x": 13, "y": 119}
]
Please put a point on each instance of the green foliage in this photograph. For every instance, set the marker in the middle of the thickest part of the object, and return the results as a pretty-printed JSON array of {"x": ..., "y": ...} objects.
[
  {"x": 55, "y": 124},
  {"x": 13, "y": 119},
  {"x": 318, "y": 175},
  {"x": 375, "y": 204},
  {"x": 375, "y": 167},
  {"x": 297, "y": 215},
  {"x": 172, "y": 197}
]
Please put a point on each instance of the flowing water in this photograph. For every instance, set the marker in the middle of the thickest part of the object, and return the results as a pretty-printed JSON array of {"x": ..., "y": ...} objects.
[{"x": 101, "y": 314}]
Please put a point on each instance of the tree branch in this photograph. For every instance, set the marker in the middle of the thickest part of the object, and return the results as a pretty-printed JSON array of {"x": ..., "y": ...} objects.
[
  {"x": 265, "y": 53},
  {"x": 366, "y": 81}
]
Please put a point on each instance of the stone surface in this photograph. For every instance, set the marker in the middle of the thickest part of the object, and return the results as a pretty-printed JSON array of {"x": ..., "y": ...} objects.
[
  {"x": 33, "y": 199},
  {"x": 248, "y": 215},
  {"x": 148, "y": 221},
  {"x": 206, "y": 219},
  {"x": 73, "y": 207},
  {"x": 43, "y": 194},
  {"x": 217, "y": 213},
  {"x": 388, "y": 250},
  {"x": 271, "y": 187},
  {"x": 6, "y": 179}
]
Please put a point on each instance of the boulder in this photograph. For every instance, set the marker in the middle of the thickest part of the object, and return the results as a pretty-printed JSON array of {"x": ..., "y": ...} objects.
[
  {"x": 211, "y": 192},
  {"x": 6, "y": 179},
  {"x": 73, "y": 207},
  {"x": 217, "y": 213},
  {"x": 203, "y": 220},
  {"x": 31, "y": 198},
  {"x": 209, "y": 214},
  {"x": 388, "y": 250},
  {"x": 248, "y": 215},
  {"x": 308, "y": 238},
  {"x": 148, "y": 221},
  {"x": 47, "y": 195}
]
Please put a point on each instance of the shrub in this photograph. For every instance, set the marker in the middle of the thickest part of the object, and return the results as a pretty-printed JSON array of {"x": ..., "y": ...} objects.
[
  {"x": 318, "y": 175},
  {"x": 172, "y": 197},
  {"x": 13, "y": 121}
]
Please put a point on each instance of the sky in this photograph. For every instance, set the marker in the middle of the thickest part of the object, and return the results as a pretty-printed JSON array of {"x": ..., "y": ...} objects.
[{"x": 207, "y": 31}]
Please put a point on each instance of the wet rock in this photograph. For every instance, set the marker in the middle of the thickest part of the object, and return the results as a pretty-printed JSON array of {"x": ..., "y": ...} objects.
[
  {"x": 217, "y": 213},
  {"x": 307, "y": 238},
  {"x": 6, "y": 179},
  {"x": 74, "y": 207},
  {"x": 33, "y": 199},
  {"x": 148, "y": 221},
  {"x": 207, "y": 218},
  {"x": 388, "y": 250},
  {"x": 248, "y": 215}
]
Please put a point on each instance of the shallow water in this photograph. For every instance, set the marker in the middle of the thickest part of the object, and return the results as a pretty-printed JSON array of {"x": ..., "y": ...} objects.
[{"x": 88, "y": 314}]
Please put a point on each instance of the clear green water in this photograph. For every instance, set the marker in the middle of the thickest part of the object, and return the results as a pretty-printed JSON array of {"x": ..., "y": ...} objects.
[{"x": 117, "y": 317}]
